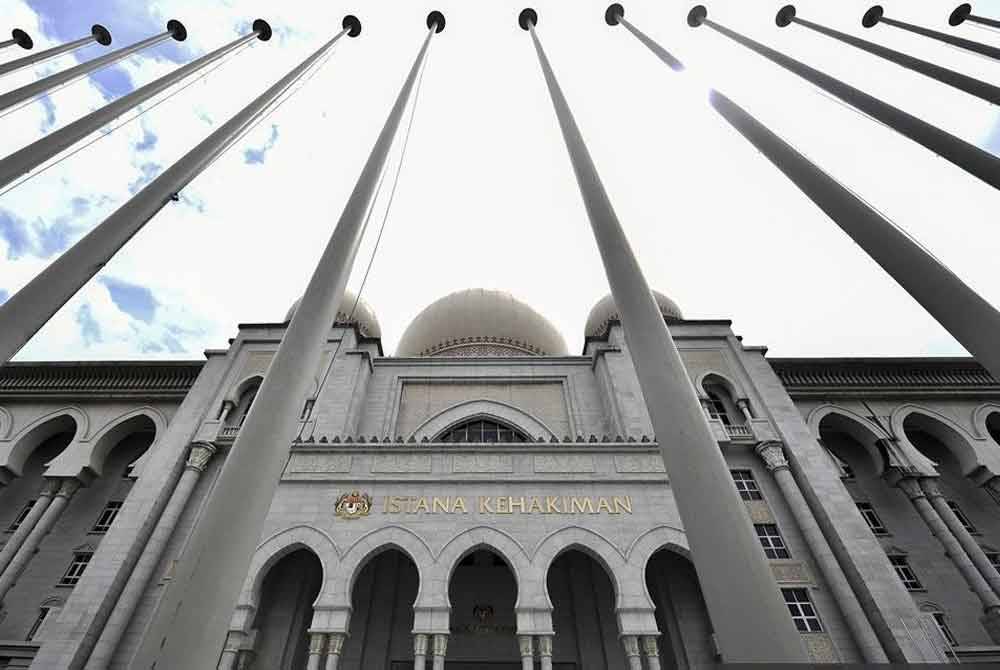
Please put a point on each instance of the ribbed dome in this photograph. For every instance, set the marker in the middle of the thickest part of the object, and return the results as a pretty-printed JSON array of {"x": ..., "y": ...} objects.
[
  {"x": 480, "y": 322},
  {"x": 606, "y": 311},
  {"x": 364, "y": 315}
]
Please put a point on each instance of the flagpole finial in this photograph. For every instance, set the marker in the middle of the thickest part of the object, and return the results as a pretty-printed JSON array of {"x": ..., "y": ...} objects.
[
  {"x": 872, "y": 16},
  {"x": 263, "y": 29},
  {"x": 614, "y": 14},
  {"x": 697, "y": 15},
  {"x": 527, "y": 18},
  {"x": 101, "y": 34},
  {"x": 785, "y": 15},
  {"x": 435, "y": 20},
  {"x": 352, "y": 25},
  {"x": 23, "y": 39},
  {"x": 960, "y": 14},
  {"x": 177, "y": 30}
]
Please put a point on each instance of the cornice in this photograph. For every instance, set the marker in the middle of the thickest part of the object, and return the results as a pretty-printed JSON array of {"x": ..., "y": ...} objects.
[{"x": 164, "y": 379}]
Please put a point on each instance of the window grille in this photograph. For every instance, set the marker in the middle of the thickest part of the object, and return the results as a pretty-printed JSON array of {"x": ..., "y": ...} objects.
[
  {"x": 905, "y": 572},
  {"x": 771, "y": 540},
  {"x": 746, "y": 485},
  {"x": 872, "y": 518},
  {"x": 21, "y": 516},
  {"x": 802, "y": 610},
  {"x": 964, "y": 520},
  {"x": 108, "y": 516},
  {"x": 76, "y": 568},
  {"x": 483, "y": 430}
]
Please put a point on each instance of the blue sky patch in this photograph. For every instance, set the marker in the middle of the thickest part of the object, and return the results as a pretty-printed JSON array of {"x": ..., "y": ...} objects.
[
  {"x": 135, "y": 300},
  {"x": 252, "y": 155},
  {"x": 90, "y": 330},
  {"x": 4, "y": 295}
]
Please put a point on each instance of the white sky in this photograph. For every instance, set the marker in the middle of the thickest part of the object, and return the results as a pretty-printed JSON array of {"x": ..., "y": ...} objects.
[{"x": 487, "y": 196}]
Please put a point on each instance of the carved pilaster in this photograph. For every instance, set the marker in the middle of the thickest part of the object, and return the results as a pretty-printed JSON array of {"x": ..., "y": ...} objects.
[
  {"x": 199, "y": 456},
  {"x": 773, "y": 455}
]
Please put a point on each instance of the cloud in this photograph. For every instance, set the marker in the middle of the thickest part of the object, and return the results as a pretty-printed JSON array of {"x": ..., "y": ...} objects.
[
  {"x": 135, "y": 300},
  {"x": 50, "y": 113},
  {"x": 252, "y": 155},
  {"x": 90, "y": 329},
  {"x": 147, "y": 173},
  {"x": 148, "y": 141},
  {"x": 38, "y": 239}
]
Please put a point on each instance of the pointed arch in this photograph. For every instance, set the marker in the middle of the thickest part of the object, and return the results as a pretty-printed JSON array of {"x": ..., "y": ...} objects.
[
  {"x": 279, "y": 545},
  {"x": 590, "y": 542},
  {"x": 15, "y": 452},
  {"x": 6, "y": 423},
  {"x": 970, "y": 452},
  {"x": 464, "y": 543},
  {"x": 866, "y": 432},
  {"x": 337, "y": 590},
  {"x": 485, "y": 409},
  {"x": 708, "y": 377}
]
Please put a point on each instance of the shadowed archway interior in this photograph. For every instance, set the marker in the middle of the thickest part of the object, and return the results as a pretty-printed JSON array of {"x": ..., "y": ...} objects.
[
  {"x": 681, "y": 615},
  {"x": 285, "y": 611}
]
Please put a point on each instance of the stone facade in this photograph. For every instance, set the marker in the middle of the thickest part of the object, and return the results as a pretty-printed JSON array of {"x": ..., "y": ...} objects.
[{"x": 385, "y": 543}]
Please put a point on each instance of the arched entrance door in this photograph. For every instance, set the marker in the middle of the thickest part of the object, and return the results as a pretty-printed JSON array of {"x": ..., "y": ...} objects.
[
  {"x": 681, "y": 615},
  {"x": 286, "y": 611},
  {"x": 482, "y": 592},
  {"x": 583, "y": 615},
  {"x": 381, "y": 628}
]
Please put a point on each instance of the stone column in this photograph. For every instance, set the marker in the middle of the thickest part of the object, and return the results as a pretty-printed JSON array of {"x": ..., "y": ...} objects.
[
  {"x": 773, "y": 455},
  {"x": 198, "y": 458},
  {"x": 333, "y": 651},
  {"x": 440, "y": 648},
  {"x": 652, "y": 652},
  {"x": 990, "y": 601},
  {"x": 24, "y": 554},
  {"x": 545, "y": 651},
  {"x": 30, "y": 521},
  {"x": 631, "y": 644},
  {"x": 317, "y": 644},
  {"x": 969, "y": 544},
  {"x": 227, "y": 407},
  {"x": 420, "y": 651},
  {"x": 527, "y": 651},
  {"x": 744, "y": 406}
]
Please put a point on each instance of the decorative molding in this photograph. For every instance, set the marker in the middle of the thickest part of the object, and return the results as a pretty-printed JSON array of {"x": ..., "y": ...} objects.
[
  {"x": 498, "y": 463},
  {"x": 790, "y": 573},
  {"x": 759, "y": 511},
  {"x": 116, "y": 378},
  {"x": 312, "y": 462},
  {"x": 634, "y": 463},
  {"x": 804, "y": 377},
  {"x": 820, "y": 647},
  {"x": 568, "y": 463},
  {"x": 401, "y": 463}
]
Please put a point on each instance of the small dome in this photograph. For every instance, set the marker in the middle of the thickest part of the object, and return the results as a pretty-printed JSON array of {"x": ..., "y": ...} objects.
[
  {"x": 606, "y": 311},
  {"x": 480, "y": 322},
  {"x": 364, "y": 316}
]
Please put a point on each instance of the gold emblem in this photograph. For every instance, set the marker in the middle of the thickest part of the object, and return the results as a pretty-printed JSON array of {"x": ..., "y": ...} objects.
[{"x": 353, "y": 505}]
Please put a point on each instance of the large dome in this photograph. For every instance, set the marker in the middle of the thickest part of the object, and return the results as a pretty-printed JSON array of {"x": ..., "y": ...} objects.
[
  {"x": 480, "y": 322},
  {"x": 364, "y": 316},
  {"x": 605, "y": 311}
]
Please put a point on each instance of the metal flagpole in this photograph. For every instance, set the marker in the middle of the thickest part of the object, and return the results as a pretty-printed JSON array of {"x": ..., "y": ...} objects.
[
  {"x": 964, "y": 13},
  {"x": 27, "y": 159},
  {"x": 818, "y": 186},
  {"x": 969, "y": 157},
  {"x": 175, "y": 29},
  {"x": 20, "y": 38},
  {"x": 876, "y": 15},
  {"x": 98, "y": 33},
  {"x": 29, "y": 309},
  {"x": 736, "y": 580},
  {"x": 980, "y": 89},
  {"x": 964, "y": 313},
  {"x": 190, "y": 621}
]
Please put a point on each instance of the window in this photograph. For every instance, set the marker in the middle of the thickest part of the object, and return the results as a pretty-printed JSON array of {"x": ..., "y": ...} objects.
[
  {"x": 43, "y": 612},
  {"x": 76, "y": 568},
  {"x": 905, "y": 572},
  {"x": 770, "y": 539},
  {"x": 716, "y": 408},
  {"x": 873, "y": 520},
  {"x": 802, "y": 610},
  {"x": 994, "y": 557},
  {"x": 964, "y": 520},
  {"x": 107, "y": 517},
  {"x": 746, "y": 485},
  {"x": 482, "y": 430},
  {"x": 21, "y": 516},
  {"x": 943, "y": 627}
]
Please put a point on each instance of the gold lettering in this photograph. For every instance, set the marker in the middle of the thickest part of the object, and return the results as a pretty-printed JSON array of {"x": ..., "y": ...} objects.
[
  {"x": 552, "y": 505},
  {"x": 443, "y": 505},
  {"x": 484, "y": 505},
  {"x": 603, "y": 505},
  {"x": 421, "y": 505},
  {"x": 581, "y": 505},
  {"x": 503, "y": 505},
  {"x": 536, "y": 505},
  {"x": 459, "y": 505},
  {"x": 623, "y": 503},
  {"x": 393, "y": 504},
  {"x": 519, "y": 502},
  {"x": 385, "y": 504}
]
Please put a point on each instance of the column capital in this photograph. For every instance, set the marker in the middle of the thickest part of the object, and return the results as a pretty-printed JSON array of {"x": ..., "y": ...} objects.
[
  {"x": 317, "y": 644},
  {"x": 772, "y": 453},
  {"x": 336, "y": 644},
  {"x": 931, "y": 487},
  {"x": 68, "y": 486},
  {"x": 525, "y": 644},
  {"x": 419, "y": 644},
  {"x": 631, "y": 644},
  {"x": 440, "y": 644},
  {"x": 50, "y": 488},
  {"x": 199, "y": 455},
  {"x": 650, "y": 646},
  {"x": 545, "y": 646}
]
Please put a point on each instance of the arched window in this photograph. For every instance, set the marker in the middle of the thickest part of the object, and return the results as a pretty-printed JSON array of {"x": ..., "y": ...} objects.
[
  {"x": 717, "y": 408},
  {"x": 719, "y": 401},
  {"x": 239, "y": 413},
  {"x": 482, "y": 430}
]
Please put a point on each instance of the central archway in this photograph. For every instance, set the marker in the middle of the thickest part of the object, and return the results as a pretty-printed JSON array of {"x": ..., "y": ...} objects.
[
  {"x": 381, "y": 628},
  {"x": 286, "y": 610},
  {"x": 681, "y": 614},
  {"x": 482, "y": 592}
]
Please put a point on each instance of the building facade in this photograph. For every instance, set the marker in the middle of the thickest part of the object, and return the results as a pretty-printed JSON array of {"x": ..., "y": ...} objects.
[{"x": 483, "y": 497}]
